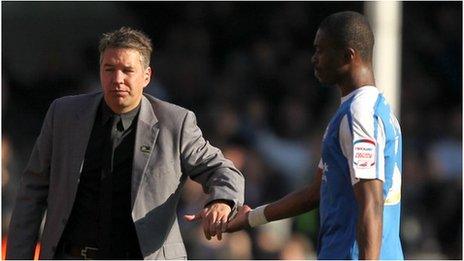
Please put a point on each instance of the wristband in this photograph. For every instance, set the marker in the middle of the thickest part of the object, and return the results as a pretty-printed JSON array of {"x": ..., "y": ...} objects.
[{"x": 256, "y": 216}]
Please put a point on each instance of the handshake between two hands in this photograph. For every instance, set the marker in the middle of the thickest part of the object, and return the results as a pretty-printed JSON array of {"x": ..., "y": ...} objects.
[{"x": 215, "y": 219}]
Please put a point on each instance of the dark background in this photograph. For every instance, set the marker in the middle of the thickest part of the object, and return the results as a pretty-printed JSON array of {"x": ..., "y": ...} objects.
[{"x": 244, "y": 69}]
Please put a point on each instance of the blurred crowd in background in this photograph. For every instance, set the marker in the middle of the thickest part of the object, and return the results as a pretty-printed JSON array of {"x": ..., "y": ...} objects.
[{"x": 244, "y": 69}]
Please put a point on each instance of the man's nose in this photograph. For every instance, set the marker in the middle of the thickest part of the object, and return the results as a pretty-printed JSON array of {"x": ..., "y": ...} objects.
[
  {"x": 313, "y": 59},
  {"x": 118, "y": 77}
]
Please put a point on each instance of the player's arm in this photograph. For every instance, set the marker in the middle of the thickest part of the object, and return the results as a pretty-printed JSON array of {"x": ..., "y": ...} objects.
[
  {"x": 369, "y": 196},
  {"x": 362, "y": 140},
  {"x": 291, "y": 205},
  {"x": 297, "y": 202}
]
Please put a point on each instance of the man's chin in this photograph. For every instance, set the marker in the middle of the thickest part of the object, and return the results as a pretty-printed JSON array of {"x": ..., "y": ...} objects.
[
  {"x": 116, "y": 104},
  {"x": 319, "y": 78},
  {"x": 119, "y": 101},
  {"x": 324, "y": 81}
]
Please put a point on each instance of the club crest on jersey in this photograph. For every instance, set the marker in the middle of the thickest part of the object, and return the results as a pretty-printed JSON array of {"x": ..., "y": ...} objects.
[{"x": 364, "y": 154}]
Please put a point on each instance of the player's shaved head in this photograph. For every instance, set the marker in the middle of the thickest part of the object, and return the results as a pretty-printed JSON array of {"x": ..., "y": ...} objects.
[{"x": 350, "y": 29}]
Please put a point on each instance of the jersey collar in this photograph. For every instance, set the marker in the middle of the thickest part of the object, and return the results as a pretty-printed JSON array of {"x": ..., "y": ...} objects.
[{"x": 354, "y": 92}]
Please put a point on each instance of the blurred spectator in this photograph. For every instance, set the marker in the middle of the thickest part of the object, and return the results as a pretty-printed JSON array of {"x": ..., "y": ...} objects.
[
  {"x": 271, "y": 238},
  {"x": 10, "y": 179},
  {"x": 298, "y": 248},
  {"x": 238, "y": 246}
]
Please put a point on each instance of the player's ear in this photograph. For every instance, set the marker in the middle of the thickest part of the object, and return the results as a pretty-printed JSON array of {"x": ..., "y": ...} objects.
[{"x": 350, "y": 54}]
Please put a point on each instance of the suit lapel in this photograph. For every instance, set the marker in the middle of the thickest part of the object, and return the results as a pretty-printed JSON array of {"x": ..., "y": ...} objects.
[
  {"x": 145, "y": 142},
  {"x": 82, "y": 129},
  {"x": 86, "y": 117}
]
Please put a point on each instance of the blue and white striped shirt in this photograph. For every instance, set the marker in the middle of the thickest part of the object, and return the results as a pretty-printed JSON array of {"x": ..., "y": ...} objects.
[{"x": 362, "y": 141}]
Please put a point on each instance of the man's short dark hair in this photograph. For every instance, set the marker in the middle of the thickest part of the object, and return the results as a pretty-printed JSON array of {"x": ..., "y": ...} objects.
[
  {"x": 350, "y": 29},
  {"x": 126, "y": 37}
]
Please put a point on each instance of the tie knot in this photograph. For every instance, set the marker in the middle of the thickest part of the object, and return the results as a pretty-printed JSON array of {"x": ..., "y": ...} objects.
[{"x": 117, "y": 123}]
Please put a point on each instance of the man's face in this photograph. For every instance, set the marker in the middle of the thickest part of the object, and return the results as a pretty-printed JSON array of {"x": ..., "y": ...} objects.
[
  {"x": 327, "y": 59},
  {"x": 123, "y": 78}
]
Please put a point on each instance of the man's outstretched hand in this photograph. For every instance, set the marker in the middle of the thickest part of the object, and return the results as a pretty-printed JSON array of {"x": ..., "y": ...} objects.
[
  {"x": 213, "y": 218},
  {"x": 240, "y": 221}
]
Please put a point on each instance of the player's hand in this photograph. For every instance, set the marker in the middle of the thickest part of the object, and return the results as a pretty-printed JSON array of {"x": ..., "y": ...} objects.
[
  {"x": 240, "y": 221},
  {"x": 213, "y": 218}
]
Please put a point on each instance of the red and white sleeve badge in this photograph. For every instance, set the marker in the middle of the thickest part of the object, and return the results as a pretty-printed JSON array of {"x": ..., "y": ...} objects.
[{"x": 364, "y": 154}]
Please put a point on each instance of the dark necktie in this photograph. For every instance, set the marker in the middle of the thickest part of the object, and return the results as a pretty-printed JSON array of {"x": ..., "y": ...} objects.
[{"x": 117, "y": 130}]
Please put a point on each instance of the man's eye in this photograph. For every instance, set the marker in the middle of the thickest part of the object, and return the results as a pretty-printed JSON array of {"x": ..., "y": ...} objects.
[{"x": 109, "y": 70}]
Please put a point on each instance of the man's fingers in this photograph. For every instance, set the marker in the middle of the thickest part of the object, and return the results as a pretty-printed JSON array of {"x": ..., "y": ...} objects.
[
  {"x": 219, "y": 235},
  {"x": 213, "y": 224},
  {"x": 231, "y": 226},
  {"x": 213, "y": 228},
  {"x": 214, "y": 220},
  {"x": 240, "y": 221},
  {"x": 222, "y": 227},
  {"x": 191, "y": 218},
  {"x": 195, "y": 217},
  {"x": 205, "y": 224},
  {"x": 217, "y": 232}
]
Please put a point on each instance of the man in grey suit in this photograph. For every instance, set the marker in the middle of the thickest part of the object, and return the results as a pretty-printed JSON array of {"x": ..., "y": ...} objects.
[{"x": 108, "y": 168}]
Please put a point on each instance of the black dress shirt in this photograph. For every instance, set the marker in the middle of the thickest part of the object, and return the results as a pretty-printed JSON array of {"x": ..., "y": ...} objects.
[{"x": 101, "y": 214}]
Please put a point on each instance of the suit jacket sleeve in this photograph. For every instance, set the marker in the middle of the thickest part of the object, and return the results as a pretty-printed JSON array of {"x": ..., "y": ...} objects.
[
  {"x": 206, "y": 165},
  {"x": 31, "y": 201}
]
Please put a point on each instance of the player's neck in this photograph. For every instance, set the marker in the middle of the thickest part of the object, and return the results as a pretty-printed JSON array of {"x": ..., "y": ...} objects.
[{"x": 359, "y": 77}]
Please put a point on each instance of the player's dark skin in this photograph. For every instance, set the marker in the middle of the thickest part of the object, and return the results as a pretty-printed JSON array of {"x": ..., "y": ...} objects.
[{"x": 344, "y": 68}]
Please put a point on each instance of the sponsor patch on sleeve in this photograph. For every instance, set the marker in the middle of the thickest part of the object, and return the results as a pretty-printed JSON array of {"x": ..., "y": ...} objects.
[{"x": 364, "y": 154}]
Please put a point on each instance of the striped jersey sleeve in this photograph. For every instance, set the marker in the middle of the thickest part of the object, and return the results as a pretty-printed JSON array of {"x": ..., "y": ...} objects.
[{"x": 362, "y": 138}]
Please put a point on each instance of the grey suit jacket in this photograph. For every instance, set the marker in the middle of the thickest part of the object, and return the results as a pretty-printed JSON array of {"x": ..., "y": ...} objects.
[{"x": 169, "y": 148}]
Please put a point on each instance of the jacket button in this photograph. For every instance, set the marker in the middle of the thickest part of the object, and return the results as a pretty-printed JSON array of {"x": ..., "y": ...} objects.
[
  {"x": 54, "y": 249},
  {"x": 64, "y": 221}
]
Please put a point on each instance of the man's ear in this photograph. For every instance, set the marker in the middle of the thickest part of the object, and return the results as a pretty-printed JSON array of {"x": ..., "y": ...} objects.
[
  {"x": 350, "y": 54},
  {"x": 148, "y": 75}
]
